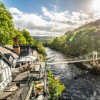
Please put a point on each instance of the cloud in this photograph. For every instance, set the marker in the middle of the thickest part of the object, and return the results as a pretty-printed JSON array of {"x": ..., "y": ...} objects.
[
  {"x": 50, "y": 22},
  {"x": 65, "y": 17},
  {"x": 15, "y": 11},
  {"x": 27, "y": 21},
  {"x": 97, "y": 15}
]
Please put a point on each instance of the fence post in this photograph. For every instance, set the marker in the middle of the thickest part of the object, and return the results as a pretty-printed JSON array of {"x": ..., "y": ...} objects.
[{"x": 96, "y": 53}]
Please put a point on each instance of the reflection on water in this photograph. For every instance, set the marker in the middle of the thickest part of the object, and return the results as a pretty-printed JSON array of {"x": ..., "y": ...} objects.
[{"x": 79, "y": 83}]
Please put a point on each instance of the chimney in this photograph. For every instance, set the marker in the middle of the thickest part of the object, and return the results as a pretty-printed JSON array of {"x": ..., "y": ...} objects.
[{"x": 16, "y": 46}]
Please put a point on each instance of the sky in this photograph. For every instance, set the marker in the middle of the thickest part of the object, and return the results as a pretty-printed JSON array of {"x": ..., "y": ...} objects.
[{"x": 52, "y": 17}]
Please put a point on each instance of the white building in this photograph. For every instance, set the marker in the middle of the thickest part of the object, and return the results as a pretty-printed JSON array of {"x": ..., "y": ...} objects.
[{"x": 5, "y": 72}]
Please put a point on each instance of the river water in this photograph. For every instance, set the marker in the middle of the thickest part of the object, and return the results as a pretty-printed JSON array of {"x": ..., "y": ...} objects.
[{"x": 80, "y": 83}]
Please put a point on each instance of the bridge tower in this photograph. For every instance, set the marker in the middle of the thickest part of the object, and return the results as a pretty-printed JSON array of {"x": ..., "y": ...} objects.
[{"x": 95, "y": 58}]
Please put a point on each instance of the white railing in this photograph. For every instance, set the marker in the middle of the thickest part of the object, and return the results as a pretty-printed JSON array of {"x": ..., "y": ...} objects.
[{"x": 85, "y": 58}]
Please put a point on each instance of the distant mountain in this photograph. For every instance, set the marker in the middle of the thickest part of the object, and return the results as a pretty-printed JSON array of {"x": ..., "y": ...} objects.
[
  {"x": 43, "y": 38},
  {"x": 94, "y": 23}
]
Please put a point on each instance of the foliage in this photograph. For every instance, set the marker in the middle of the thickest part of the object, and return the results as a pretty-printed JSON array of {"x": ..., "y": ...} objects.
[
  {"x": 40, "y": 48},
  {"x": 6, "y": 25},
  {"x": 77, "y": 42},
  {"x": 42, "y": 57},
  {"x": 55, "y": 88},
  {"x": 8, "y": 31},
  {"x": 29, "y": 39}
]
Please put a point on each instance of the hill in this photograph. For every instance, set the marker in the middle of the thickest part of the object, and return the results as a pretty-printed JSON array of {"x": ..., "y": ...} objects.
[
  {"x": 79, "y": 41},
  {"x": 94, "y": 23},
  {"x": 43, "y": 38}
]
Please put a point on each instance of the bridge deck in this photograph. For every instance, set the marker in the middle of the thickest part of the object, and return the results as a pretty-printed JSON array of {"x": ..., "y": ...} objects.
[{"x": 71, "y": 61}]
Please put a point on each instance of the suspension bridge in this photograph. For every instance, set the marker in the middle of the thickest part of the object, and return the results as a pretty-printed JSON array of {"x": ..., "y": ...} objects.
[{"x": 93, "y": 57}]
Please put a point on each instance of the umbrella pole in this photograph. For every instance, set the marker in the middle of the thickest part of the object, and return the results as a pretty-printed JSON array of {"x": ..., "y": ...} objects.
[{"x": 20, "y": 65}]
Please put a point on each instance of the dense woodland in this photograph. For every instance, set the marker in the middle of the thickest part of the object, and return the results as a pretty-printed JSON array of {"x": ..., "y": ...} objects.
[
  {"x": 8, "y": 31},
  {"x": 77, "y": 42}
]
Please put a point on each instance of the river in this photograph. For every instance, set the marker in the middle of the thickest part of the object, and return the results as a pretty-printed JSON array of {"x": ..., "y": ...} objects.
[{"x": 80, "y": 83}]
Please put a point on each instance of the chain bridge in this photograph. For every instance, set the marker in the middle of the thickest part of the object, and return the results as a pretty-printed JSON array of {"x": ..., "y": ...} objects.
[{"x": 93, "y": 57}]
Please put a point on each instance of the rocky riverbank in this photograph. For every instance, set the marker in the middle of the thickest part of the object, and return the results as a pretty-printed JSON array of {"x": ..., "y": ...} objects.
[{"x": 81, "y": 83}]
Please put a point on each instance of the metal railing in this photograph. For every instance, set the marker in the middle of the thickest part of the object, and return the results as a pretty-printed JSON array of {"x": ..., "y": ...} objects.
[{"x": 25, "y": 90}]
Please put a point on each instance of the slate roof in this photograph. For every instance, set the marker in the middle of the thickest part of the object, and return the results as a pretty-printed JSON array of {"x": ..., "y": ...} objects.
[
  {"x": 25, "y": 50},
  {"x": 7, "y": 55},
  {"x": 5, "y": 59},
  {"x": 7, "y": 50}
]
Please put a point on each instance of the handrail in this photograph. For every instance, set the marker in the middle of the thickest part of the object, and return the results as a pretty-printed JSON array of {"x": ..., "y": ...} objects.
[{"x": 24, "y": 91}]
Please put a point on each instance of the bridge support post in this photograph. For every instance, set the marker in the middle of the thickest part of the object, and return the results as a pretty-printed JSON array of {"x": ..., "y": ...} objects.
[
  {"x": 95, "y": 57},
  {"x": 94, "y": 63}
]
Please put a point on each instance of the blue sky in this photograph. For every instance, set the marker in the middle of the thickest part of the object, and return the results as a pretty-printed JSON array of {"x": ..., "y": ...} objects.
[
  {"x": 35, "y": 5},
  {"x": 52, "y": 17}
]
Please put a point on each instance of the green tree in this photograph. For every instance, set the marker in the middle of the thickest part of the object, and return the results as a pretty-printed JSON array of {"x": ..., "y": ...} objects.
[
  {"x": 28, "y": 37},
  {"x": 78, "y": 42},
  {"x": 55, "y": 88},
  {"x": 7, "y": 32},
  {"x": 6, "y": 26},
  {"x": 40, "y": 48},
  {"x": 22, "y": 39}
]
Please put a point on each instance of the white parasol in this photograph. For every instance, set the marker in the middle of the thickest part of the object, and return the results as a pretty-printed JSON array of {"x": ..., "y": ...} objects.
[{"x": 27, "y": 59}]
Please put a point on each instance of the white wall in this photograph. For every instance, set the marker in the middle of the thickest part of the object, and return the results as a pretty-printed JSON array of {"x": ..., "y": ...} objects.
[{"x": 5, "y": 70}]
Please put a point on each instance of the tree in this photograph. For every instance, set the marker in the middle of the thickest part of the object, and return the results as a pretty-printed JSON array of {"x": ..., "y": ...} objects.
[
  {"x": 8, "y": 32},
  {"x": 6, "y": 25},
  {"x": 55, "y": 88},
  {"x": 40, "y": 48},
  {"x": 78, "y": 42},
  {"x": 28, "y": 37}
]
